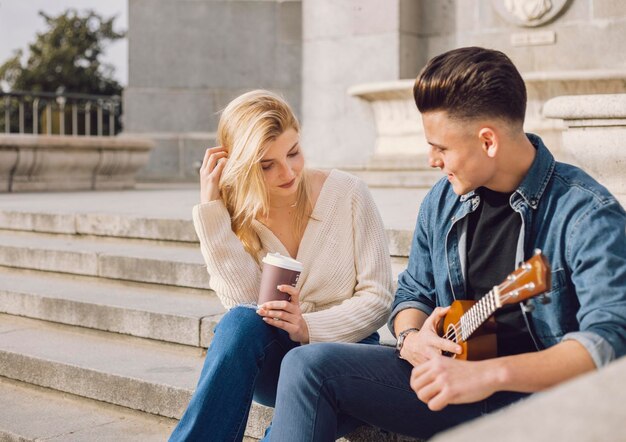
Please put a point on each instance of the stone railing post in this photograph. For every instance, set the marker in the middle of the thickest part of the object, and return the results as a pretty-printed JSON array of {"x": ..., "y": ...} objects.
[
  {"x": 399, "y": 128},
  {"x": 401, "y": 150},
  {"x": 596, "y": 136}
]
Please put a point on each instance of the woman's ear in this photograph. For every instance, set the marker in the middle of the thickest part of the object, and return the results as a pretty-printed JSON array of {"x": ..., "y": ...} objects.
[{"x": 489, "y": 141}]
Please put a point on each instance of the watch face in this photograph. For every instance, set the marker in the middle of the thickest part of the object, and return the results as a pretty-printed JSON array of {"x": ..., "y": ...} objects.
[
  {"x": 399, "y": 343},
  {"x": 402, "y": 336}
]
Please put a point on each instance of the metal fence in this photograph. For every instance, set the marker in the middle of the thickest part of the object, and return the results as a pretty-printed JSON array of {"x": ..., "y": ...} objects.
[{"x": 60, "y": 113}]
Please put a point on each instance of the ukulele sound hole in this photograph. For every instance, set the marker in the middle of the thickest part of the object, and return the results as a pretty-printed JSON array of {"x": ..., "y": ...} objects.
[{"x": 451, "y": 336}]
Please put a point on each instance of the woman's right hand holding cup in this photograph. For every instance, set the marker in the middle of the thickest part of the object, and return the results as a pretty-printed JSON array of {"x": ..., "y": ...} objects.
[{"x": 211, "y": 172}]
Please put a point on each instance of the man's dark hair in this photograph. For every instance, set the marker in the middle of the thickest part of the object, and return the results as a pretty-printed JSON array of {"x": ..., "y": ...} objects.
[{"x": 472, "y": 82}]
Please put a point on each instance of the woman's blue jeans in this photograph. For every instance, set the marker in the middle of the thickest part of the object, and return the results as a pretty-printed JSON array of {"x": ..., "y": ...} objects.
[
  {"x": 322, "y": 386},
  {"x": 243, "y": 363}
]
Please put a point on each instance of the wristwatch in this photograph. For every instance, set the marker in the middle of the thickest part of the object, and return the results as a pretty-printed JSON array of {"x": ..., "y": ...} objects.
[{"x": 401, "y": 337}]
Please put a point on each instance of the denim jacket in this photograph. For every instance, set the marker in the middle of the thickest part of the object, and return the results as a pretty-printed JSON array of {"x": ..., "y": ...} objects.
[{"x": 576, "y": 222}]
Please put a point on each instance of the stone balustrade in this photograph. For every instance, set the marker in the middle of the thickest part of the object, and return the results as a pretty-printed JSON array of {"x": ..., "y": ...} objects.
[
  {"x": 594, "y": 139},
  {"x": 399, "y": 130},
  {"x": 37, "y": 162},
  {"x": 400, "y": 157}
]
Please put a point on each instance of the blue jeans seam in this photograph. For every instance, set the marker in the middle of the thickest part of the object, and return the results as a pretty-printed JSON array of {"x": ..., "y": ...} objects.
[
  {"x": 246, "y": 414},
  {"x": 251, "y": 394}
]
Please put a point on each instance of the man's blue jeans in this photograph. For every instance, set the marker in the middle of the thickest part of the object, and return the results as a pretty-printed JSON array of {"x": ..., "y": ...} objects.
[
  {"x": 243, "y": 363},
  {"x": 323, "y": 385}
]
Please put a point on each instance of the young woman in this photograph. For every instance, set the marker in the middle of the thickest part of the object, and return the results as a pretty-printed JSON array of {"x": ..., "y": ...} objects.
[{"x": 258, "y": 197}]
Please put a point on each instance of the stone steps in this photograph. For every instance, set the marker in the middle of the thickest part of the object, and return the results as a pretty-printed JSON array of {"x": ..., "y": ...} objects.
[
  {"x": 137, "y": 227},
  {"x": 95, "y": 223},
  {"x": 170, "y": 264},
  {"x": 86, "y": 270},
  {"x": 164, "y": 214},
  {"x": 111, "y": 308},
  {"x": 40, "y": 360},
  {"x": 140, "y": 374},
  {"x": 65, "y": 417},
  {"x": 167, "y": 263},
  {"x": 167, "y": 313},
  {"x": 137, "y": 373}
]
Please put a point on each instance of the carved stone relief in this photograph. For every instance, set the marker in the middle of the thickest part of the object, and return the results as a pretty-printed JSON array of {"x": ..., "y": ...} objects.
[{"x": 529, "y": 13}]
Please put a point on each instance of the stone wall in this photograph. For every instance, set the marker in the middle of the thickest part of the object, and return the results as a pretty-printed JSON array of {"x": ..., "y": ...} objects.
[
  {"x": 571, "y": 47},
  {"x": 189, "y": 58},
  {"x": 587, "y": 34},
  {"x": 575, "y": 48},
  {"x": 561, "y": 47}
]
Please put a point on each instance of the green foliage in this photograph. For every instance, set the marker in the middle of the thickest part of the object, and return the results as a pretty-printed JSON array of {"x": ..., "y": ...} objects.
[{"x": 66, "y": 55}]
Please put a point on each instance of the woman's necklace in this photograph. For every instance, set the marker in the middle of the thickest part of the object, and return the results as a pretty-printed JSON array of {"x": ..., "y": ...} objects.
[{"x": 294, "y": 204}]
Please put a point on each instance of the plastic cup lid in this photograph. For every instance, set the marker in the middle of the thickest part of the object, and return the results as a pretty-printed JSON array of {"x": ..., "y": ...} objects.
[{"x": 285, "y": 262}]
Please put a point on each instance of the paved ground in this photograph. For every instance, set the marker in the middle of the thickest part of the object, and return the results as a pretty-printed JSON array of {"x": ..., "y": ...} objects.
[{"x": 398, "y": 207}]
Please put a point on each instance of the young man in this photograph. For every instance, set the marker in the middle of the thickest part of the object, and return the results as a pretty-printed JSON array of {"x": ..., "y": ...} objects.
[{"x": 503, "y": 196}]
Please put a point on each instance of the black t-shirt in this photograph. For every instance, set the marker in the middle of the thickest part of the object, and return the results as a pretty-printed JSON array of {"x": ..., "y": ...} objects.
[{"x": 492, "y": 233}]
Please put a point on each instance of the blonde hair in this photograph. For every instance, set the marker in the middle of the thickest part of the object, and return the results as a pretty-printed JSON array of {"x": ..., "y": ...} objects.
[{"x": 248, "y": 124}]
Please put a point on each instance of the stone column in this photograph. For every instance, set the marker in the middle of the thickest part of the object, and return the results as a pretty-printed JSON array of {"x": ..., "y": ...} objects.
[
  {"x": 345, "y": 43},
  {"x": 594, "y": 139}
]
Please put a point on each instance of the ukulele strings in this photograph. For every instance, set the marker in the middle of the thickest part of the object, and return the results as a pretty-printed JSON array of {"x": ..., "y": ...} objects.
[{"x": 456, "y": 327}]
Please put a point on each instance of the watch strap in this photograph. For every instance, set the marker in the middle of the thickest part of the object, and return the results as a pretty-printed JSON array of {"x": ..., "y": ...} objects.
[{"x": 402, "y": 336}]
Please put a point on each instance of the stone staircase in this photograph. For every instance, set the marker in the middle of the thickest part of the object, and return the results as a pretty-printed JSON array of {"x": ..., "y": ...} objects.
[
  {"x": 104, "y": 321},
  {"x": 104, "y": 316},
  {"x": 106, "y": 311}
]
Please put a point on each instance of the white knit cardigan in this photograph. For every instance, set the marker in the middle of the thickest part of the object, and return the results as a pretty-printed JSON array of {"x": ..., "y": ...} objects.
[{"x": 346, "y": 285}]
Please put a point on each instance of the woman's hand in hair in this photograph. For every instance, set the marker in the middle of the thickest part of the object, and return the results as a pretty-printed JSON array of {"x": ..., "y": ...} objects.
[
  {"x": 286, "y": 315},
  {"x": 211, "y": 172}
]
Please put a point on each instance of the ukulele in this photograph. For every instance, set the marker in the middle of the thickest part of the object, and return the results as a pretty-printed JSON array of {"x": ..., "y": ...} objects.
[{"x": 471, "y": 324}]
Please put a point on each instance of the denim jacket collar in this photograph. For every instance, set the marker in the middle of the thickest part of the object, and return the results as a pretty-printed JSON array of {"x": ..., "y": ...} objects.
[{"x": 534, "y": 183}]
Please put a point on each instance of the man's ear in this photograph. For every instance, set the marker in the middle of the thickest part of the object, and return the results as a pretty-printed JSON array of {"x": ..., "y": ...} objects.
[{"x": 489, "y": 141}]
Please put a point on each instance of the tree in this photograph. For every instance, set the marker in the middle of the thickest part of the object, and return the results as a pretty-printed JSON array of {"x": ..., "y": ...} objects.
[
  {"x": 66, "y": 55},
  {"x": 64, "y": 58}
]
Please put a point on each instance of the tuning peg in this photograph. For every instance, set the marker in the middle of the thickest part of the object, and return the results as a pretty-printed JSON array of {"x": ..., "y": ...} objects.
[{"x": 537, "y": 252}]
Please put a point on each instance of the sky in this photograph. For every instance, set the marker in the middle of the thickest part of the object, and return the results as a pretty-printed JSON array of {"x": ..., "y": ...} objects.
[{"x": 19, "y": 21}]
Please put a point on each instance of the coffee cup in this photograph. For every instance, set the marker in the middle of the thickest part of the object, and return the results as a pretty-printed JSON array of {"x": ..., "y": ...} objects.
[{"x": 278, "y": 270}]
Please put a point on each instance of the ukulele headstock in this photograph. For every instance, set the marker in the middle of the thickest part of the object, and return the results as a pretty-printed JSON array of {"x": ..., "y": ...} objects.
[{"x": 530, "y": 279}]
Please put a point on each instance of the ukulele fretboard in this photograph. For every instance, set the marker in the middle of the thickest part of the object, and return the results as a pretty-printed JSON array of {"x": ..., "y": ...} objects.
[
  {"x": 479, "y": 313},
  {"x": 501, "y": 294}
]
